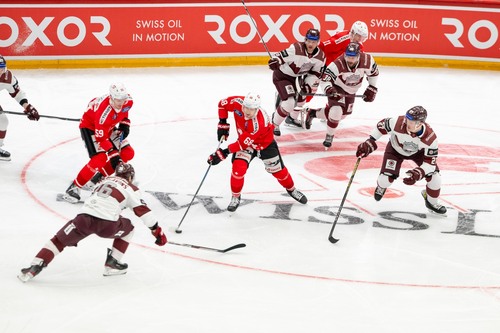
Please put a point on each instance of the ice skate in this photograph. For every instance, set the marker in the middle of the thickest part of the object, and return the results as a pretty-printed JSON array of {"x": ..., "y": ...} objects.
[
  {"x": 297, "y": 195},
  {"x": 32, "y": 271},
  {"x": 435, "y": 209},
  {"x": 72, "y": 194},
  {"x": 4, "y": 155},
  {"x": 328, "y": 141},
  {"x": 276, "y": 130},
  {"x": 379, "y": 193},
  {"x": 233, "y": 205},
  {"x": 290, "y": 122},
  {"x": 113, "y": 266}
]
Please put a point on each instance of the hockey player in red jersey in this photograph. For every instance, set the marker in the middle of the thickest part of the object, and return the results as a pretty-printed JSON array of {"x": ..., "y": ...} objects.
[
  {"x": 335, "y": 46},
  {"x": 296, "y": 69},
  {"x": 101, "y": 215},
  {"x": 342, "y": 79},
  {"x": 255, "y": 139},
  {"x": 9, "y": 82},
  {"x": 411, "y": 138},
  {"x": 104, "y": 128}
]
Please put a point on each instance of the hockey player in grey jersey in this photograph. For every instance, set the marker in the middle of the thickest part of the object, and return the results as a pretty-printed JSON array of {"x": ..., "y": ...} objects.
[
  {"x": 411, "y": 138},
  {"x": 9, "y": 82},
  {"x": 100, "y": 215}
]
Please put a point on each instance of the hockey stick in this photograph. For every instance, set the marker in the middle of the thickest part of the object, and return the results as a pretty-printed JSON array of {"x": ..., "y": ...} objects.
[
  {"x": 255, "y": 25},
  {"x": 326, "y": 95},
  {"x": 234, "y": 247},
  {"x": 177, "y": 230},
  {"x": 41, "y": 116},
  {"x": 330, "y": 236}
]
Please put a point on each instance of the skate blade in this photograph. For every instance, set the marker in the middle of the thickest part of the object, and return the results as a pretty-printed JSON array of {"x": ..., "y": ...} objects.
[
  {"x": 113, "y": 272},
  {"x": 433, "y": 213},
  {"x": 24, "y": 277},
  {"x": 66, "y": 198}
]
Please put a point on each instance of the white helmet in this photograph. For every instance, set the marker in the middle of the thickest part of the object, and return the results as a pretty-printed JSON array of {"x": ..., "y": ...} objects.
[
  {"x": 252, "y": 101},
  {"x": 118, "y": 91},
  {"x": 360, "y": 28}
]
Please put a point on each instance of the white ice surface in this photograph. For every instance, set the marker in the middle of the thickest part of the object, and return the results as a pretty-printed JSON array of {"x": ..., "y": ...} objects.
[{"x": 289, "y": 278}]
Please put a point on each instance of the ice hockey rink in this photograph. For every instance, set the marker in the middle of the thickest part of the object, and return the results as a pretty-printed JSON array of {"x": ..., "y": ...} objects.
[{"x": 396, "y": 268}]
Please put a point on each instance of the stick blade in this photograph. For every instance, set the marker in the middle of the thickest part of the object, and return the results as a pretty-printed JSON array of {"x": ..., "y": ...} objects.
[
  {"x": 332, "y": 240},
  {"x": 234, "y": 247}
]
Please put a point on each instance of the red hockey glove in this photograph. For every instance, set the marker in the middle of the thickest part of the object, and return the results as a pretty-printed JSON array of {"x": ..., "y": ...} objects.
[
  {"x": 333, "y": 94},
  {"x": 222, "y": 129},
  {"x": 31, "y": 112},
  {"x": 414, "y": 175},
  {"x": 274, "y": 64},
  {"x": 156, "y": 231},
  {"x": 369, "y": 94},
  {"x": 218, "y": 156},
  {"x": 366, "y": 148},
  {"x": 113, "y": 157}
]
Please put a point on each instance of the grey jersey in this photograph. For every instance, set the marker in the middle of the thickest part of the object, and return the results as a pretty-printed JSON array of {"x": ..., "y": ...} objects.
[
  {"x": 114, "y": 194},
  {"x": 295, "y": 61},
  {"x": 409, "y": 144},
  {"x": 350, "y": 80}
]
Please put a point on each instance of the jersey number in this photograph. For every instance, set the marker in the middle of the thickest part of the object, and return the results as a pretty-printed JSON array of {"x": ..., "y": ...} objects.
[{"x": 105, "y": 190}]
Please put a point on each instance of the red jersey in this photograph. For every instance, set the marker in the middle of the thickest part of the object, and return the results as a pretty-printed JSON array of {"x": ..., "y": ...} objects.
[
  {"x": 256, "y": 133},
  {"x": 101, "y": 118},
  {"x": 335, "y": 46}
]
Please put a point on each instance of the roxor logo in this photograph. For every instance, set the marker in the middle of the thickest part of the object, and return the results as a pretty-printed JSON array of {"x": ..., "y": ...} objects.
[
  {"x": 37, "y": 30},
  {"x": 454, "y": 37},
  {"x": 272, "y": 27}
]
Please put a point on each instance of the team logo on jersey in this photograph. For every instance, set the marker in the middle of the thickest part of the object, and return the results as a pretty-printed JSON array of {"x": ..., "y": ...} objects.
[
  {"x": 410, "y": 147},
  {"x": 390, "y": 165},
  {"x": 125, "y": 109},
  {"x": 432, "y": 152}
]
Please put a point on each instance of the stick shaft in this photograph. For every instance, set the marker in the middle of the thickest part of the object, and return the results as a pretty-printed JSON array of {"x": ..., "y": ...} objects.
[
  {"x": 42, "y": 116},
  {"x": 196, "y": 193},
  {"x": 330, "y": 236},
  {"x": 199, "y": 247},
  {"x": 255, "y": 25}
]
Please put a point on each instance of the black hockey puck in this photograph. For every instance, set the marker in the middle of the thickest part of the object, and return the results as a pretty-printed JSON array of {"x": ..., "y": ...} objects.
[{"x": 177, "y": 231}]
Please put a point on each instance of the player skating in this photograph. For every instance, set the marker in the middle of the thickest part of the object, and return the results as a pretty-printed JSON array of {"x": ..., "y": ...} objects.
[
  {"x": 100, "y": 215},
  {"x": 411, "y": 138},
  {"x": 342, "y": 79},
  {"x": 296, "y": 69},
  {"x": 335, "y": 46},
  {"x": 255, "y": 139},
  {"x": 104, "y": 128},
  {"x": 9, "y": 82}
]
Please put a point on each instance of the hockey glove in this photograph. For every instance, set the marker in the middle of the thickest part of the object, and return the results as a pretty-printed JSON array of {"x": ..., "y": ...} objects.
[
  {"x": 156, "y": 231},
  {"x": 414, "y": 175},
  {"x": 366, "y": 148},
  {"x": 274, "y": 64},
  {"x": 333, "y": 94},
  {"x": 125, "y": 129},
  {"x": 113, "y": 157},
  {"x": 31, "y": 112},
  {"x": 222, "y": 129},
  {"x": 369, "y": 94},
  {"x": 218, "y": 156}
]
